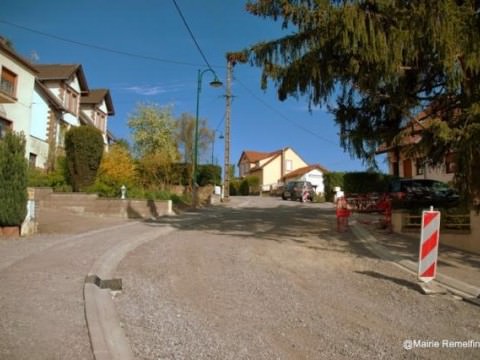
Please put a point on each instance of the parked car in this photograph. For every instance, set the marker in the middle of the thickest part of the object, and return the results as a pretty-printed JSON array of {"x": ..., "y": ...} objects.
[
  {"x": 422, "y": 192},
  {"x": 294, "y": 190}
]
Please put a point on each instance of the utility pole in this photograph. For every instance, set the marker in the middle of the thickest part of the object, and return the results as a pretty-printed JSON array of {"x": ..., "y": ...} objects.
[{"x": 228, "y": 97}]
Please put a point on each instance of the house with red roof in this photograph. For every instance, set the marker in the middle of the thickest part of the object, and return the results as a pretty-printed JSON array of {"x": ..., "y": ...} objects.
[
  {"x": 406, "y": 160},
  {"x": 275, "y": 168}
]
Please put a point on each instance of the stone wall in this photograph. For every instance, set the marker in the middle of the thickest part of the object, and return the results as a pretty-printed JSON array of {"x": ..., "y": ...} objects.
[{"x": 91, "y": 204}]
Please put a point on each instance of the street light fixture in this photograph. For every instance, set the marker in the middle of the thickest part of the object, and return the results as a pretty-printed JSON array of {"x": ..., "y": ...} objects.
[{"x": 214, "y": 83}]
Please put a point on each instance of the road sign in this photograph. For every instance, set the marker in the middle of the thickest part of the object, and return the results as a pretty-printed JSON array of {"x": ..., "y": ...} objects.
[{"x": 429, "y": 238}]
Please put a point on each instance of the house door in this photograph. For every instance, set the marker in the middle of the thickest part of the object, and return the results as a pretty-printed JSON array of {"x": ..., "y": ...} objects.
[{"x": 407, "y": 168}]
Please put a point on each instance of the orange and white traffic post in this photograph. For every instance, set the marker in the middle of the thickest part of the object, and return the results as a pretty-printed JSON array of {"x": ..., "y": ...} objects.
[{"x": 429, "y": 240}]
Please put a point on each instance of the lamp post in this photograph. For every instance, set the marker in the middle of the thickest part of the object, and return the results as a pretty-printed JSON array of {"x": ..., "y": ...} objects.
[{"x": 214, "y": 83}]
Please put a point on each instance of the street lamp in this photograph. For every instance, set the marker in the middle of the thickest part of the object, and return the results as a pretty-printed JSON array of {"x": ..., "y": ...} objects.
[{"x": 214, "y": 83}]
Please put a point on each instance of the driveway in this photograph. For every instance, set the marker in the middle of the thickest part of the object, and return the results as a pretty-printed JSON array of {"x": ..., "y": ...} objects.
[{"x": 262, "y": 278}]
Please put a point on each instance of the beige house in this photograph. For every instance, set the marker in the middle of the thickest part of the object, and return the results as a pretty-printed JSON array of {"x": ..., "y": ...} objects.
[{"x": 270, "y": 167}]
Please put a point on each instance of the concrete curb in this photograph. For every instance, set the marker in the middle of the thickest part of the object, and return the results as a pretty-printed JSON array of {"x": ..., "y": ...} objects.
[
  {"x": 107, "y": 337},
  {"x": 455, "y": 286}
]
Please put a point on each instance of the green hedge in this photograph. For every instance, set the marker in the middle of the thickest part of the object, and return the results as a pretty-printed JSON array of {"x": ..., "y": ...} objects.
[
  {"x": 355, "y": 182},
  {"x": 13, "y": 180},
  {"x": 84, "y": 150}
]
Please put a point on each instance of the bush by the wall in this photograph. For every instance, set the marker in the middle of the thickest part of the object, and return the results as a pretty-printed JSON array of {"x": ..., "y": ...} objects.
[
  {"x": 56, "y": 179},
  {"x": 244, "y": 187},
  {"x": 13, "y": 179},
  {"x": 209, "y": 175},
  {"x": 234, "y": 187},
  {"x": 84, "y": 150},
  {"x": 331, "y": 180},
  {"x": 365, "y": 182}
]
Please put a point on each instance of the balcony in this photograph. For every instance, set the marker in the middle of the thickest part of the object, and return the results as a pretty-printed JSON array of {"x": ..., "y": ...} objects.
[{"x": 7, "y": 92}]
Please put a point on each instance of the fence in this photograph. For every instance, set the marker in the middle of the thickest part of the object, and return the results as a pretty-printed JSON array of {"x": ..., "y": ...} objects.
[{"x": 460, "y": 224}]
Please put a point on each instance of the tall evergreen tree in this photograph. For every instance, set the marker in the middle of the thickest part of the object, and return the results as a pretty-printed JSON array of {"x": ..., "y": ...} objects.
[
  {"x": 385, "y": 61},
  {"x": 84, "y": 150},
  {"x": 13, "y": 179}
]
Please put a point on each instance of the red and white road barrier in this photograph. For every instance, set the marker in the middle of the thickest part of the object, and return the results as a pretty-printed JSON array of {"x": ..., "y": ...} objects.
[{"x": 429, "y": 239}]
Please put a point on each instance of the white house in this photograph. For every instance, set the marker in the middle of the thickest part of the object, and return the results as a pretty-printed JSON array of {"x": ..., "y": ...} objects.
[
  {"x": 311, "y": 173},
  {"x": 95, "y": 107},
  {"x": 44, "y": 100},
  {"x": 17, "y": 79}
]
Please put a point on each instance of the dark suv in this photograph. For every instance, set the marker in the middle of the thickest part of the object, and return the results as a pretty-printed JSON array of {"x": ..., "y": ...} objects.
[
  {"x": 422, "y": 192},
  {"x": 294, "y": 190}
]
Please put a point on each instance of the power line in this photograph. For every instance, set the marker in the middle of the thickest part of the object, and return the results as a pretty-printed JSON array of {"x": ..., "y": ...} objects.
[
  {"x": 157, "y": 59},
  {"x": 283, "y": 116},
  {"x": 97, "y": 47},
  {"x": 192, "y": 36}
]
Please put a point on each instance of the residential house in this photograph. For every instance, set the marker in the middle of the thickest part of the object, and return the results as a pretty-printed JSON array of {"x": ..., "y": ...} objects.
[
  {"x": 65, "y": 84},
  {"x": 311, "y": 173},
  {"x": 17, "y": 80},
  {"x": 95, "y": 107},
  {"x": 44, "y": 101},
  {"x": 270, "y": 167},
  {"x": 405, "y": 163}
]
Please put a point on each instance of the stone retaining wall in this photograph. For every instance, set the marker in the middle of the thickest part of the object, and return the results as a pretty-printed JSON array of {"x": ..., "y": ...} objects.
[{"x": 82, "y": 203}]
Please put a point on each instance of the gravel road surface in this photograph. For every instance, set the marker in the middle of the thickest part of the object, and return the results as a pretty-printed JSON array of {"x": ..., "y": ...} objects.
[
  {"x": 264, "y": 278},
  {"x": 41, "y": 296}
]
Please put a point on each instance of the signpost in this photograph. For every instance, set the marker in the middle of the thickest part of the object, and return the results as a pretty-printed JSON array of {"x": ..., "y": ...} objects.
[{"x": 429, "y": 239}]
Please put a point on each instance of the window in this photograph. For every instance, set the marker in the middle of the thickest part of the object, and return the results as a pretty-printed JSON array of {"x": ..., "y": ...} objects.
[
  {"x": 450, "y": 165},
  {"x": 288, "y": 165},
  {"x": 420, "y": 166},
  {"x": 100, "y": 121},
  {"x": 32, "y": 160},
  {"x": 71, "y": 101},
  {"x": 8, "y": 82},
  {"x": 5, "y": 126}
]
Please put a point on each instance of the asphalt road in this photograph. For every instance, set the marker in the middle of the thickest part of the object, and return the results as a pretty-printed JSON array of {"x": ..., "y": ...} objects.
[{"x": 264, "y": 278}]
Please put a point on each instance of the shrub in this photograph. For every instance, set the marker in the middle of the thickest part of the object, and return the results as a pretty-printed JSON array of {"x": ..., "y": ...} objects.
[
  {"x": 84, "y": 150},
  {"x": 331, "y": 180},
  {"x": 56, "y": 179},
  {"x": 13, "y": 180},
  {"x": 365, "y": 182},
  {"x": 244, "y": 188},
  {"x": 209, "y": 175},
  {"x": 235, "y": 187}
]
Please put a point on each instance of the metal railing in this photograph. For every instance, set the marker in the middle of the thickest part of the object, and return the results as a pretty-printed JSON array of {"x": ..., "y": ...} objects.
[{"x": 450, "y": 223}]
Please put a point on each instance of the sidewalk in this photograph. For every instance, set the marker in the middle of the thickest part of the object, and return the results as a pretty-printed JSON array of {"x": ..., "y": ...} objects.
[{"x": 456, "y": 268}]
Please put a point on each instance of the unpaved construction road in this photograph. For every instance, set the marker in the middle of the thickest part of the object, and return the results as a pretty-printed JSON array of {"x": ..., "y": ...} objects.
[{"x": 264, "y": 278}]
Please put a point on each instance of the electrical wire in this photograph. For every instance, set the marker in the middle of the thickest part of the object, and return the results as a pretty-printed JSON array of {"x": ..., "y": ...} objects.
[
  {"x": 175, "y": 62},
  {"x": 97, "y": 47},
  {"x": 283, "y": 116},
  {"x": 202, "y": 54}
]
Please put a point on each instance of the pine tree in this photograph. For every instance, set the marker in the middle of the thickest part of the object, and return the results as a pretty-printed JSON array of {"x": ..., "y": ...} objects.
[
  {"x": 384, "y": 61},
  {"x": 13, "y": 179}
]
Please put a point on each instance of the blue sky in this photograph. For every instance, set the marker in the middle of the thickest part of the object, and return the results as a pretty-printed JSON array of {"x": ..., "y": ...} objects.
[{"x": 154, "y": 29}]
